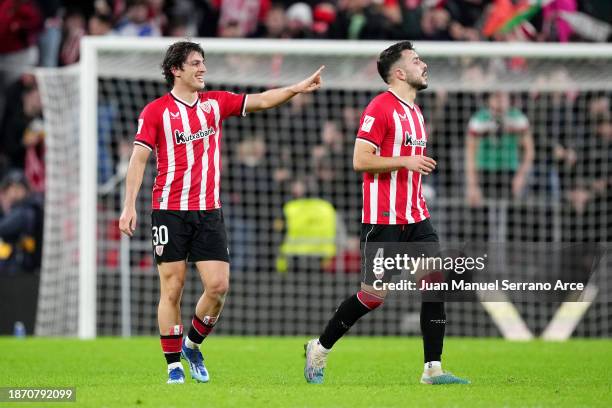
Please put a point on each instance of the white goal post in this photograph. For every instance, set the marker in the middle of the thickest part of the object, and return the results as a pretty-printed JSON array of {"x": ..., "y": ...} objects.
[{"x": 123, "y": 56}]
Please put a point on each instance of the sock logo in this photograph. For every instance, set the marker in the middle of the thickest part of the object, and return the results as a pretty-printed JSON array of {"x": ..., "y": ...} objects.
[
  {"x": 176, "y": 330},
  {"x": 209, "y": 320}
]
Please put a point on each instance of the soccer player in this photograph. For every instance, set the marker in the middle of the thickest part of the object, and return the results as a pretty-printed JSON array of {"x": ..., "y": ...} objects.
[
  {"x": 184, "y": 128},
  {"x": 390, "y": 151}
]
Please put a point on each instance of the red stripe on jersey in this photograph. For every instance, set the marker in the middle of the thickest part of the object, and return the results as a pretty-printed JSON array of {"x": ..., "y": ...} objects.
[
  {"x": 365, "y": 210},
  {"x": 402, "y": 193}
]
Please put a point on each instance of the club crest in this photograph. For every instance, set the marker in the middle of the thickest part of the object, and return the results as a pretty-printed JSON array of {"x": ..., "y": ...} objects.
[
  {"x": 159, "y": 250},
  {"x": 205, "y": 106}
]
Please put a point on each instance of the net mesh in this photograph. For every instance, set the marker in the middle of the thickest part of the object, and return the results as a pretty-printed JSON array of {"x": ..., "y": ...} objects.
[{"x": 304, "y": 149}]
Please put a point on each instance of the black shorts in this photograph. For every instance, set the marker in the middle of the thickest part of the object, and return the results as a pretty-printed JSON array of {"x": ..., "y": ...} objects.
[
  {"x": 189, "y": 235},
  {"x": 374, "y": 236}
]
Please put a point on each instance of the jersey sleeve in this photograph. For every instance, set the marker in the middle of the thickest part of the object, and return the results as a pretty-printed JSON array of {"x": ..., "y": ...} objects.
[
  {"x": 478, "y": 124},
  {"x": 518, "y": 121},
  {"x": 230, "y": 104},
  {"x": 373, "y": 125},
  {"x": 146, "y": 134}
]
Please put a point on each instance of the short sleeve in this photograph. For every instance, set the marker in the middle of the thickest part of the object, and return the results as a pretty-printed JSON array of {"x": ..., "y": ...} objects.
[
  {"x": 146, "y": 134},
  {"x": 519, "y": 122},
  {"x": 479, "y": 124},
  {"x": 373, "y": 125},
  {"x": 230, "y": 104}
]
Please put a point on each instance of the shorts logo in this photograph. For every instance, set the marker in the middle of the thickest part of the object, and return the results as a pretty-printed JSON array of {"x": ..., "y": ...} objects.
[
  {"x": 159, "y": 250},
  {"x": 205, "y": 106},
  {"x": 368, "y": 121}
]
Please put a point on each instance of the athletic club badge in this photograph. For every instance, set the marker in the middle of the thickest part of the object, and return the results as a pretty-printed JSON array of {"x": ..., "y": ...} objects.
[
  {"x": 159, "y": 250},
  {"x": 206, "y": 106}
]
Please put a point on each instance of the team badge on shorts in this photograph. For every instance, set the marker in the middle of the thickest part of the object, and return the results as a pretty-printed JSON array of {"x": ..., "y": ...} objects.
[{"x": 159, "y": 250}]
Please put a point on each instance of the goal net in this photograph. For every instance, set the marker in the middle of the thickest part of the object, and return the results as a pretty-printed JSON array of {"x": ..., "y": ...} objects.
[{"x": 93, "y": 281}]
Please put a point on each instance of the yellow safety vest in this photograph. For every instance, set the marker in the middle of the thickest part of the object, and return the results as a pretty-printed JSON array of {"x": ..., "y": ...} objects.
[{"x": 311, "y": 230}]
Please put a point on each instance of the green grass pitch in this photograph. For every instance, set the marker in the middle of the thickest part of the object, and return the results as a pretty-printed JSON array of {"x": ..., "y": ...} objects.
[{"x": 267, "y": 372}]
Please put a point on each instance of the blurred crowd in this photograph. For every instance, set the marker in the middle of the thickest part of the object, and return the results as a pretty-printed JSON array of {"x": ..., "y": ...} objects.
[{"x": 47, "y": 33}]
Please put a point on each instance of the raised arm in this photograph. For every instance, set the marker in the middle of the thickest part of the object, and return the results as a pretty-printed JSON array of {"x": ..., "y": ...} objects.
[
  {"x": 274, "y": 97},
  {"x": 365, "y": 159},
  {"x": 133, "y": 181}
]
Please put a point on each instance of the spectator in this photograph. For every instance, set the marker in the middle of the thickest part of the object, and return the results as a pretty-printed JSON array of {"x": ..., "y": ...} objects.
[
  {"x": 20, "y": 24},
  {"x": 359, "y": 20},
  {"x": 208, "y": 18},
  {"x": 240, "y": 18},
  {"x": 466, "y": 15},
  {"x": 299, "y": 20},
  {"x": 324, "y": 14},
  {"x": 421, "y": 22},
  {"x": 100, "y": 24},
  {"x": 274, "y": 25},
  {"x": 591, "y": 177},
  {"x": 21, "y": 216},
  {"x": 51, "y": 38},
  {"x": 252, "y": 195},
  {"x": 74, "y": 30},
  {"x": 554, "y": 127},
  {"x": 495, "y": 167},
  {"x": 554, "y": 27},
  {"x": 19, "y": 115},
  {"x": 136, "y": 22}
]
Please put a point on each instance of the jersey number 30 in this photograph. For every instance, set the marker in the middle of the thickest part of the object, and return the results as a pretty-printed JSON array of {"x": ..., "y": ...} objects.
[{"x": 160, "y": 235}]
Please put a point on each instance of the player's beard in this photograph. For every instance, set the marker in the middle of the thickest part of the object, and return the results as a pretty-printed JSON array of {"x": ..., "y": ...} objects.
[{"x": 419, "y": 83}]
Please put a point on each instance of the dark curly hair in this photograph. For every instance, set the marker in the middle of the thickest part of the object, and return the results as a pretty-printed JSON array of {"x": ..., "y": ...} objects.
[
  {"x": 176, "y": 56},
  {"x": 390, "y": 56}
]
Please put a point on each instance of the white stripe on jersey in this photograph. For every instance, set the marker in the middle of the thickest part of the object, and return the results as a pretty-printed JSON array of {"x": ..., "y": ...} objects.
[
  {"x": 412, "y": 151},
  {"x": 215, "y": 105},
  {"x": 171, "y": 166},
  {"x": 190, "y": 160},
  {"x": 420, "y": 192},
  {"x": 374, "y": 196},
  {"x": 397, "y": 146},
  {"x": 203, "y": 125}
]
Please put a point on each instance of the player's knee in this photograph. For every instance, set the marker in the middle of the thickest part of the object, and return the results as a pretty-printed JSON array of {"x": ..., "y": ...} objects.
[
  {"x": 172, "y": 297},
  {"x": 218, "y": 288},
  {"x": 370, "y": 300},
  {"x": 171, "y": 292}
]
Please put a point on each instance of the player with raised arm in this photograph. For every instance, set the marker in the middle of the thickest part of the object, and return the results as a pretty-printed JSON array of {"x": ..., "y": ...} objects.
[
  {"x": 390, "y": 151},
  {"x": 184, "y": 128}
]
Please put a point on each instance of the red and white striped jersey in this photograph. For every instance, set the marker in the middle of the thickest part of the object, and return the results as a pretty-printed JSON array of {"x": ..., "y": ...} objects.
[
  {"x": 187, "y": 141},
  {"x": 394, "y": 128}
]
